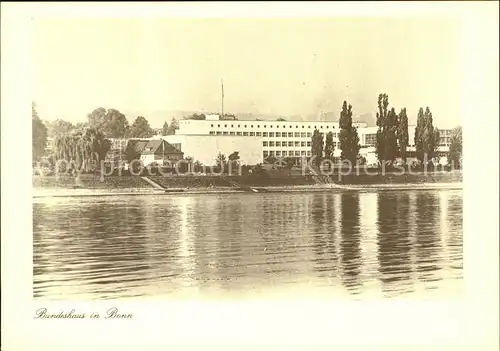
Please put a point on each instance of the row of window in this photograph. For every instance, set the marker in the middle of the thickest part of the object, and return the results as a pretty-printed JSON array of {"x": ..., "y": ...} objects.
[
  {"x": 270, "y": 135},
  {"x": 270, "y": 126},
  {"x": 286, "y": 153},
  {"x": 290, "y": 143},
  {"x": 370, "y": 139}
]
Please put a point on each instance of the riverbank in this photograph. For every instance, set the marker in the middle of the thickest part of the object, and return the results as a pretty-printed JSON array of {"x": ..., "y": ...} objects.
[
  {"x": 90, "y": 185},
  {"x": 40, "y": 193}
]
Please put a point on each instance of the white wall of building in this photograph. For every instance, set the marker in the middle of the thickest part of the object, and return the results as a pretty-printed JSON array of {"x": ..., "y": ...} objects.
[
  {"x": 276, "y": 138},
  {"x": 235, "y": 126},
  {"x": 205, "y": 148}
]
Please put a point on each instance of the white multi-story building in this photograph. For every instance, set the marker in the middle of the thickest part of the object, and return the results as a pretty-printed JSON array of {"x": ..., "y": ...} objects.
[
  {"x": 279, "y": 138},
  {"x": 271, "y": 138}
]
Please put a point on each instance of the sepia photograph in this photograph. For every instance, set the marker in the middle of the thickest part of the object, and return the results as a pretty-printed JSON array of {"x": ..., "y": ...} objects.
[
  {"x": 228, "y": 158},
  {"x": 246, "y": 157},
  {"x": 232, "y": 158}
]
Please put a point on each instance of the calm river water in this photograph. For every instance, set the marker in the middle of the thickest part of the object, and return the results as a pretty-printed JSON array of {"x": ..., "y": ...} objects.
[{"x": 345, "y": 244}]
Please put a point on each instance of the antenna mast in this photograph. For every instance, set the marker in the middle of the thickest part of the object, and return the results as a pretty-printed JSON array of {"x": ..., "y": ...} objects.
[{"x": 222, "y": 91}]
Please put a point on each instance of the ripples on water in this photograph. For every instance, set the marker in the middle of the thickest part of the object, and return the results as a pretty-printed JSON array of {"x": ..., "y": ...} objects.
[{"x": 391, "y": 244}]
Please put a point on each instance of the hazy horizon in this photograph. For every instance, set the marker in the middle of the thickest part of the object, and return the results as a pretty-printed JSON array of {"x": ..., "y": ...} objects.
[{"x": 283, "y": 68}]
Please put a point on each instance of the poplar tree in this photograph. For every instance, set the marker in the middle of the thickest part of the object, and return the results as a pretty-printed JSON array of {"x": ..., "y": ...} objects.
[
  {"x": 403, "y": 134},
  {"x": 329, "y": 147},
  {"x": 418, "y": 140},
  {"x": 383, "y": 103},
  {"x": 426, "y": 136},
  {"x": 387, "y": 133},
  {"x": 317, "y": 146},
  {"x": 455, "y": 152},
  {"x": 164, "y": 130},
  {"x": 348, "y": 136}
]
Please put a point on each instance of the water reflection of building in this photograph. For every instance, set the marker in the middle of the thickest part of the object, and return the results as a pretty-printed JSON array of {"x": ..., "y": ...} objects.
[
  {"x": 275, "y": 215},
  {"x": 228, "y": 251},
  {"x": 186, "y": 240},
  {"x": 350, "y": 257},
  {"x": 166, "y": 245},
  {"x": 253, "y": 242},
  {"x": 368, "y": 218},
  {"x": 206, "y": 241}
]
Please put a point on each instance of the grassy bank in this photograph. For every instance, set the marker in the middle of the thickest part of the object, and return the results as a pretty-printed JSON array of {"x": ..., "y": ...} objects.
[
  {"x": 91, "y": 182},
  {"x": 267, "y": 180}
]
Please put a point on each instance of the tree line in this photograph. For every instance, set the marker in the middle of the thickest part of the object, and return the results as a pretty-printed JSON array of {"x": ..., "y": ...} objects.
[
  {"x": 87, "y": 142},
  {"x": 348, "y": 140},
  {"x": 112, "y": 123},
  {"x": 392, "y": 138}
]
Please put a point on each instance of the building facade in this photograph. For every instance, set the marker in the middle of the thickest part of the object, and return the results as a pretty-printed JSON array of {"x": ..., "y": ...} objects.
[
  {"x": 205, "y": 148},
  {"x": 153, "y": 151},
  {"x": 278, "y": 138},
  {"x": 288, "y": 138}
]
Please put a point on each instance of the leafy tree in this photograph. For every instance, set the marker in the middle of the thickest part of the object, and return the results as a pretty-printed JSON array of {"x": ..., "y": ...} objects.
[
  {"x": 140, "y": 128},
  {"x": 419, "y": 130},
  {"x": 383, "y": 103},
  {"x": 112, "y": 123},
  {"x": 434, "y": 143},
  {"x": 348, "y": 136},
  {"x": 174, "y": 125},
  {"x": 281, "y": 119},
  {"x": 317, "y": 146},
  {"x": 270, "y": 160},
  {"x": 58, "y": 126},
  {"x": 131, "y": 152},
  {"x": 198, "y": 166},
  {"x": 235, "y": 156},
  {"x": 391, "y": 136},
  {"x": 97, "y": 117},
  {"x": 426, "y": 137},
  {"x": 329, "y": 146},
  {"x": 455, "y": 152},
  {"x": 387, "y": 133},
  {"x": 403, "y": 134},
  {"x": 164, "y": 130},
  {"x": 196, "y": 116},
  {"x": 81, "y": 126},
  {"x": 39, "y": 134},
  {"x": 289, "y": 162},
  {"x": 220, "y": 160},
  {"x": 84, "y": 147}
]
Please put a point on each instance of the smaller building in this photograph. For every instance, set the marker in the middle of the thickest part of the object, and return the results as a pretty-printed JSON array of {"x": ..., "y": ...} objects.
[
  {"x": 152, "y": 150},
  {"x": 205, "y": 148}
]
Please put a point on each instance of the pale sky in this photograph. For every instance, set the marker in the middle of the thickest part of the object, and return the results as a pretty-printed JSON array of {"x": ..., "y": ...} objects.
[{"x": 281, "y": 66}]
